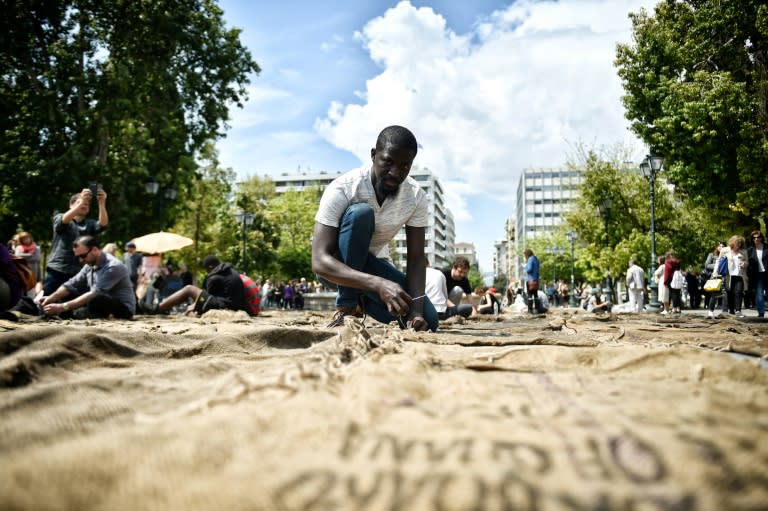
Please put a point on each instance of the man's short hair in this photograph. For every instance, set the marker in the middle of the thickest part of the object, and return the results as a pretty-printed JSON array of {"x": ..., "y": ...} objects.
[
  {"x": 397, "y": 136},
  {"x": 74, "y": 198},
  {"x": 461, "y": 262},
  {"x": 86, "y": 241},
  {"x": 130, "y": 244},
  {"x": 211, "y": 262}
]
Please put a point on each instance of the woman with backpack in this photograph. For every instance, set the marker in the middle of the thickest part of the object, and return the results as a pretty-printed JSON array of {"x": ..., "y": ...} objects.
[{"x": 674, "y": 281}]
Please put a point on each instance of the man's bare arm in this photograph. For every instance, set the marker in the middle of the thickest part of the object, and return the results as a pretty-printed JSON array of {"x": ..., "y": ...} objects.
[{"x": 326, "y": 265}]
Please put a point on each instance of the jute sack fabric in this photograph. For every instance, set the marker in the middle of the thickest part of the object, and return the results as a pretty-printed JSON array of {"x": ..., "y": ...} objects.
[{"x": 230, "y": 412}]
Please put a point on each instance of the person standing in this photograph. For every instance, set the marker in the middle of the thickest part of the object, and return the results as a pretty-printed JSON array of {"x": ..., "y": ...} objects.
[
  {"x": 663, "y": 290},
  {"x": 102, "y": 286},
  {"x": 132, "y": 261},
  {"x": 67, "y": 227},
  {"x": 757, "y": 270},
  {"x": 635, "y": 286},
  {"x": 360, "y": 213},
  {"x": 532, "y": 281},
  {"x": 736, "y": 281},
  {"x": 673, "y": 281},
  {"x": 709, "y": 272}
]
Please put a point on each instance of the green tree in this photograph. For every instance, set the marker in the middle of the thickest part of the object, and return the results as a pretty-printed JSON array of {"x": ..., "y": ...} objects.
[
  {"x": 114, "y": 91},
  {"x": 293, "y": 215},
  {"x": 206, "y": 216},
  {"x": 696, "y": 87},
  {"x": 681, "y": 225},
  {"x": 255, "y": 195}
]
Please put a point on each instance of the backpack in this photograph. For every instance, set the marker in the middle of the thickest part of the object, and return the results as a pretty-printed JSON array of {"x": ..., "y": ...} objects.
[
  {"x": 252, "y": 295},
  {"x": 722, "y": 266},
  {"x": 677, "y": 280}
]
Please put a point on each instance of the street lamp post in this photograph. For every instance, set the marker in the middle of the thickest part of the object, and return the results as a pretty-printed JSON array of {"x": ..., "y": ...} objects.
[
  {"x": 572, "y": 238},
  {"x": 169, "y": 193},
  {"x": 245, "y": 219},
  {"x": 651, "y": 166},
  {"x": 605, "y": 208}
]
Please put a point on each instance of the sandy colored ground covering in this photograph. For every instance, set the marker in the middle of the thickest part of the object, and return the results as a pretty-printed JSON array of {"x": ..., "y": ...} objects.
[{"x": 569, "y": 411}]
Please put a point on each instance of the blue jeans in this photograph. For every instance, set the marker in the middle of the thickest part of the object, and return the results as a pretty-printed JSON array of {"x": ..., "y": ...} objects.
[
  {"x": 355, "y": 233},
  {"x": 760, "y": 294}
]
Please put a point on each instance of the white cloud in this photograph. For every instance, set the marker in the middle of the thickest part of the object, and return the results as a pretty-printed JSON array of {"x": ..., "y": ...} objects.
[{"x": 527, "y": 82}]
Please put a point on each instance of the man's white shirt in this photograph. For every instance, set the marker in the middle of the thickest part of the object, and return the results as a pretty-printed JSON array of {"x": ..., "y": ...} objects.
[{"x": 408, "y": 207}]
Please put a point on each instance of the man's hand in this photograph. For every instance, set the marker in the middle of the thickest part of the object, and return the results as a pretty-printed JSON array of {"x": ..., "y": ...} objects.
[
  {"x": 418, "y": 323},
  {"x": 397, "y": 301},
  {"x": 101, "y": 196},
  {"x": 85, "y": 197},
  {"x": 52, "y": 309}
]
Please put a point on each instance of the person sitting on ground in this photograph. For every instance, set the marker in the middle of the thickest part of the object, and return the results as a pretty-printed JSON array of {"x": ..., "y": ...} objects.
[
  {"x": 102, "y": 288},
  {"x": 456, "y": 280},
  {"x": 223, "y": 290},
  {"x": 597, "y": 302},
  {"x": 360, "y": 213},
  {"x": 437, "y": 292},
  {"x": 489, "y": 303},
  {"x": 11, "y": 286},
  {"x": 30, "y": 251}
]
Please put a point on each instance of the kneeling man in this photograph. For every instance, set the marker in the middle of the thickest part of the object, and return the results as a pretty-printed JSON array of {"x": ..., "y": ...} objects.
[
  {"x": 102, "y": 287},
  {"x": 359, "y": 214}
]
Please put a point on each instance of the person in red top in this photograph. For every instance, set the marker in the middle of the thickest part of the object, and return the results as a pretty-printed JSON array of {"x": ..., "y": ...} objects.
[{"x": 672, "y": 265}]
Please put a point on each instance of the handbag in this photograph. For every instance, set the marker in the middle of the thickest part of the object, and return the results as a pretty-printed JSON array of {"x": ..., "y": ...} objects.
[
  {"x": 713, "y": 285},
  {"x": 26, "y": 275},
  {"x": 677, "y": 280}
]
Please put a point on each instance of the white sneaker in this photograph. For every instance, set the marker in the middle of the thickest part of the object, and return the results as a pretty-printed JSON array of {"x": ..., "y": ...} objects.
[
  {"x": 664, "y": 313},
  {"x": 710, "y": 314}
]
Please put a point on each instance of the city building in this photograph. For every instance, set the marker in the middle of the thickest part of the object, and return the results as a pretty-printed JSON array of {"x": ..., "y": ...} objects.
[
  {"x": 544, "y": 195},
  {"x": 467, "y": 250},
  {"x": 440, "y": 234},
  {"x": 504, "y": 257}
]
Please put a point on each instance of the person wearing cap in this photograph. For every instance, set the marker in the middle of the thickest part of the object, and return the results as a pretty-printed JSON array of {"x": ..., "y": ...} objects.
[
  {"x": 223, "y": 290},
  {"x": 489, "y": 303},
  {"x": 132, "y": 261}
]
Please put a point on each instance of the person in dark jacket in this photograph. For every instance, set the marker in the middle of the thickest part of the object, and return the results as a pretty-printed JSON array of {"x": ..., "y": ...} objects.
[{"x": 223, "y": 290}]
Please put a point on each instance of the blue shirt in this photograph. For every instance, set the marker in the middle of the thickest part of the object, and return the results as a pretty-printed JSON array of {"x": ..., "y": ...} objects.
[
  {"x": 532, "y": 268},
  {"x": 109, "y": 277}
]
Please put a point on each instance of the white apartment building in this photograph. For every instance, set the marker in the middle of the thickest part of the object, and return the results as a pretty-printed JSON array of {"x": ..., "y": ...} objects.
[
  {"x": 544, "y": 195},
  {"x": 504, "y": 257},
  {"x": 469, "y": 251},
  {"x": 440, "y": 234}
]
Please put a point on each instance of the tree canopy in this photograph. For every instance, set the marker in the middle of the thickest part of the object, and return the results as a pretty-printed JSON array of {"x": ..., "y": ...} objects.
[
  {"x": 112, "y": 91},
  {"x": 696, "y": 82}
]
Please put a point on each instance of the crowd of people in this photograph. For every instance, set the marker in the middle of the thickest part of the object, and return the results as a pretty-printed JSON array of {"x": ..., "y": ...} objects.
[{"x": 359, "y": 214}]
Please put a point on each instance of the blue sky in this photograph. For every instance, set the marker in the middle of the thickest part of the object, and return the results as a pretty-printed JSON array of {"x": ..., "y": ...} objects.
[{"x": 488, "y": 87}]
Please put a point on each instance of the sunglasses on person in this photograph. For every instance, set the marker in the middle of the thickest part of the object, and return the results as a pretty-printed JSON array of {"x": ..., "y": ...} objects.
[
  {"x": 84, "y": 255},
  {"x": 757, "y": 237}
]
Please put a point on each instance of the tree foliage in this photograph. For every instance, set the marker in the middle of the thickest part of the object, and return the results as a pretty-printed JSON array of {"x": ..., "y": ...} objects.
[
  {"x": 696, "y": 83},
  {"x": 112, "y": 91},
  {"x": 262, "y": 238},
  {"x": 682, "y": 226}
]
